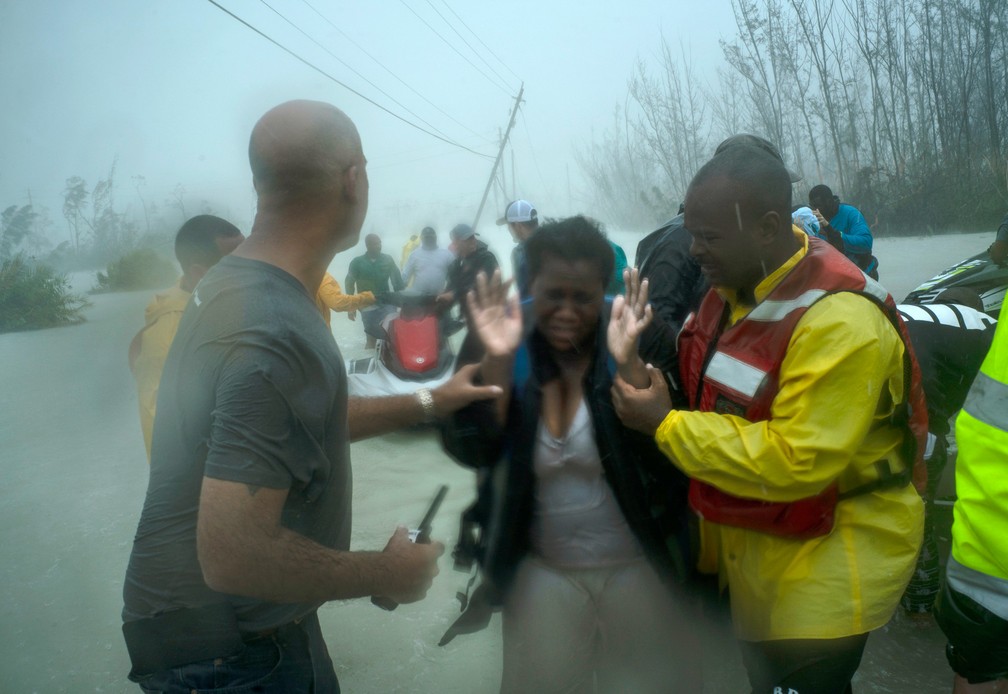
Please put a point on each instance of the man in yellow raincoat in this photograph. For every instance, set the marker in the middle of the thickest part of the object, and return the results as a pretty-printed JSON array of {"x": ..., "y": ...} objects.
[
  {"x": 796, "y": 454},
  {"x": 199, "y": 244}
]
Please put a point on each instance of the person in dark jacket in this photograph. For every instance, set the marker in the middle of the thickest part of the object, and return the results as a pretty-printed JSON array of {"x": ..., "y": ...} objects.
[
  {"x": 950, "y": 338},
  {"x": 581, "y": 524},
  {"x": 676, "y": 286},
  {"x": 472, "y": 257}
]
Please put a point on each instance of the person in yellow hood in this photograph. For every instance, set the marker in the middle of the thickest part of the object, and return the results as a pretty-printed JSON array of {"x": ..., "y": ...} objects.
[
  {"x": 199, "y": 244},
  {"x": 794, "y": 365}
]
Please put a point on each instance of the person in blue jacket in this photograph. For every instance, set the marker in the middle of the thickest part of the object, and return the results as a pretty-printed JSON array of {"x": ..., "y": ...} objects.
[{"x": 845, "y": 227}]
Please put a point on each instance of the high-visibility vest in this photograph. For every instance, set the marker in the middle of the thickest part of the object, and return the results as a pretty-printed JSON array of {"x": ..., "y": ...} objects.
[{"x": 980, "y": 527}]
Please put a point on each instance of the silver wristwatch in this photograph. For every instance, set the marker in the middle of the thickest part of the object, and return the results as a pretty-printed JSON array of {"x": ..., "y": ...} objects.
[{"x": 426, "y": 401}]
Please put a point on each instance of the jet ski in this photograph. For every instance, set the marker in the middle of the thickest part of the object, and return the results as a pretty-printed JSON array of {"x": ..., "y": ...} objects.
[
  {"x": 412, "y": 348},
  {"x": 979, "y": 273}
]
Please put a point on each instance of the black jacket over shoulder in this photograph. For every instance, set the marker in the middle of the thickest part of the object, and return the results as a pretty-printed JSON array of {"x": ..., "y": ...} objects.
[
  {"x": 676, "y": 287},
  {"x": 650, "y": 491}
]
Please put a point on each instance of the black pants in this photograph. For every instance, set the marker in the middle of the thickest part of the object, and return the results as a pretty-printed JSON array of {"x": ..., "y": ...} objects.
[{"x": 808, "y": 666}]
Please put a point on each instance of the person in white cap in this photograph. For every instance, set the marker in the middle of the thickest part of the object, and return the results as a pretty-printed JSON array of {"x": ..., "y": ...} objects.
[{"x": 522, "y": 221}]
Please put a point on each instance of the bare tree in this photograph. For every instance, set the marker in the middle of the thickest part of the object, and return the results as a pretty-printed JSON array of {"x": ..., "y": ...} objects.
[
  {"x": 140, "y": 182},
  {"x": 75, "y": 197},
  {"x": 671, "y": 118},
  {"x": 177, "y": 200},
  {"x": 619, "y": 175},
  {"x": 901, "y": 104}
]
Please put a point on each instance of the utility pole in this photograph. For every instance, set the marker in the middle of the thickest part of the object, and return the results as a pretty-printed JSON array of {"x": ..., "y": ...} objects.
[
  {"x": 500, "y": 153},
  {"x": 502, "y": 181}
]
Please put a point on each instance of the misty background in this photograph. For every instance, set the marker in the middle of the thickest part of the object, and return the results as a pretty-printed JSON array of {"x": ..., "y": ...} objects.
[
  {"x": 120, "y": 119},
  {"x": 124, "y": 118}
]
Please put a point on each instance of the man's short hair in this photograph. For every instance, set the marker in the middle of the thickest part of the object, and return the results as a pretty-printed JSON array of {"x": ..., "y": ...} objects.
[
  {"x": 765, "y": 180},
  {"x": 747, "y": 140},
  {"x": 573, "y": 238},
  {"x": 196, "y": 240},
  {"x": 820, "y": 192}
]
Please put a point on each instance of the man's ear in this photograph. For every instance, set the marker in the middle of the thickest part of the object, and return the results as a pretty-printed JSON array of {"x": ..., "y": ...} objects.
[
  {"x": 349, "y": 182},
  {"x": 768, "y": 228},
  {"x": 193, "y": 274},
  {"x": 197, "y": 270}
]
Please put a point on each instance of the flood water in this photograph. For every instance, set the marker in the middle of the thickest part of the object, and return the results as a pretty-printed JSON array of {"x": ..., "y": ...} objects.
[{"x": 75, "y": 476}]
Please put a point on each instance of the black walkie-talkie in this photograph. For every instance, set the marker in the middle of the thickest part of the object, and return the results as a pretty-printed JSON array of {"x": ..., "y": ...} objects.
[{"x": 420, "y": 535}]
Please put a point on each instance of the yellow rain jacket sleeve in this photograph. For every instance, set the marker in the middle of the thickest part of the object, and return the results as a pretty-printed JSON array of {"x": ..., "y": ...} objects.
[
  {"x": 839, "y": 380},
  {"x": 162, "y": 318},
  {"x": 330, "y": 297}
]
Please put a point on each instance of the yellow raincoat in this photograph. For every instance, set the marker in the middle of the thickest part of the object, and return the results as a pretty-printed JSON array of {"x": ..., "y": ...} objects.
[
  {"x": 829, "y": 421},
  {"x": 150, "y": 349},
  {"x": 330, "y": 297}
]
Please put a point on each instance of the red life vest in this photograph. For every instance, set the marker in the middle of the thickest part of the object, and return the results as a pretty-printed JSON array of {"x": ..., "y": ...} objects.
[{"x": 736, "y": 370}]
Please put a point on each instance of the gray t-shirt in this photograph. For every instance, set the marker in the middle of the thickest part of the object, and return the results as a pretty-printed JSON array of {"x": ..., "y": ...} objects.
[
  {"x": 253, "y": 391},
  {"x": 428, "y": 267}
]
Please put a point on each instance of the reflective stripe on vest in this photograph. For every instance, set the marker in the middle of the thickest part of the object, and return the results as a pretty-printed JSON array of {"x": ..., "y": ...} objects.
[
  {"x": 987, "y": 402},
  {"x": 875, "y": 289},
  {"x": 735, "y": 374},
  {"x": 771, "y": 310}
]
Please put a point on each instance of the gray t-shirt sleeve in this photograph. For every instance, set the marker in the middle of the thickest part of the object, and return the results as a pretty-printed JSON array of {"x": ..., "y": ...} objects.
[{"x": 254, "y": 434}]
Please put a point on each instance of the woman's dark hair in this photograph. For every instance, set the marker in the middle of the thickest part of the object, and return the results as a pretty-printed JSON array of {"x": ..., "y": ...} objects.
[{"x": 573, "y": 238}]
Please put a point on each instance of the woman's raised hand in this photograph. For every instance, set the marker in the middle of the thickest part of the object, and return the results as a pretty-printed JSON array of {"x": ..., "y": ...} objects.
[
  {"x": 631, "y": 314},
  {"x": 495, "y": 316}
]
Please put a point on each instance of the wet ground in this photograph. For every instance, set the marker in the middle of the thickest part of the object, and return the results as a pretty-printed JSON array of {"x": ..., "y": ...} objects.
[{"x": 75, "y": 474}]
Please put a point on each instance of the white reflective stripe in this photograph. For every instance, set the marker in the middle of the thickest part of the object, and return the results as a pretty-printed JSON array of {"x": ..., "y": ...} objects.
[
  {"x": 773, "y": 310},
  {"x": 874, "y": 288},
  {"x": 732, "y": 373},
  {"x": 988, "y": 401}
]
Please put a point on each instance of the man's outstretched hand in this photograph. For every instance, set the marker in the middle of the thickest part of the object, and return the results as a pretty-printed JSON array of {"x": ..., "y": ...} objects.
[
  {"x": 645, "y": 409},
  {"x": 459, "y": 391}
]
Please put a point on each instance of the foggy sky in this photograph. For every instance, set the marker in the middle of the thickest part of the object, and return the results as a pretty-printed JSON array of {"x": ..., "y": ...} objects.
[{"x": 174, "y": 87}]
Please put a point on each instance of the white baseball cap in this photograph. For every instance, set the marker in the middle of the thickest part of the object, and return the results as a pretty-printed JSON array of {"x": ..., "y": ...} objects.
[{"x": 518, "y": 211}]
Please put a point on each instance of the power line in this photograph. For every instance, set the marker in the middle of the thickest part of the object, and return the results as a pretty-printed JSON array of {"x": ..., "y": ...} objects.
[
  {"x": 448, "y": 43},
  {"x": 445, "y": 3},
  {"x": 343, "y": 84},
  {"x": 379, "y": 63},
  {"x": 351, "y": 69},
  {"x": 468, "y": 45}
]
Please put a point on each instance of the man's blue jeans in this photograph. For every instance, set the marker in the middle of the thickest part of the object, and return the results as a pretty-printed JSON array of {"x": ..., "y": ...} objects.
[{"x": 294, "y": 659}]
